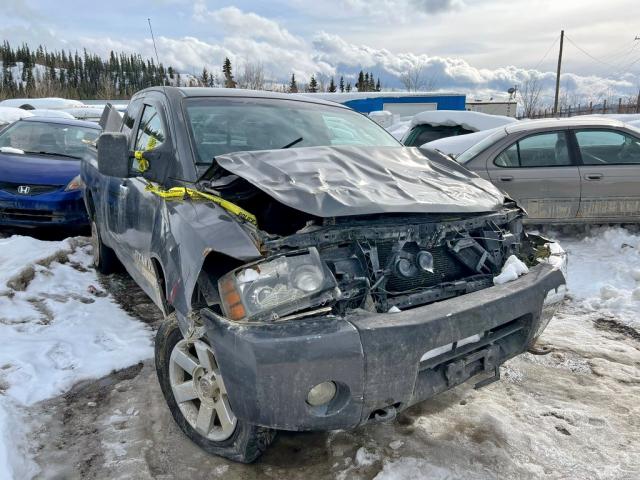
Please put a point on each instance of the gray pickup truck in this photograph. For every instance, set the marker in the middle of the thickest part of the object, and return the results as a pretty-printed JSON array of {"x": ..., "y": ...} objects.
[{"x": 315, "y": 274}]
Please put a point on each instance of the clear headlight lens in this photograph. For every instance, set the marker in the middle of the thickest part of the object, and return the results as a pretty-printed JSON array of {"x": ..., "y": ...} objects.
[{"x": 274, "y": 288}]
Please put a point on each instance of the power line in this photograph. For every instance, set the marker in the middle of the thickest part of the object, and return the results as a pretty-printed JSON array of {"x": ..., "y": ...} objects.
[
  {"x": 617, "y": 67},
  {"x": 545, "y": 55}
]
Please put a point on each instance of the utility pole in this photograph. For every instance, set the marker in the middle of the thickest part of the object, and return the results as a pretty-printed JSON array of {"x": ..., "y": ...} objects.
[{"x": 555, "y": 102}]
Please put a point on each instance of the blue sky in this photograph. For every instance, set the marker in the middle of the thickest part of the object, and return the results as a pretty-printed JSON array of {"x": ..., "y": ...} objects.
[{"x": 478, "y": 46}]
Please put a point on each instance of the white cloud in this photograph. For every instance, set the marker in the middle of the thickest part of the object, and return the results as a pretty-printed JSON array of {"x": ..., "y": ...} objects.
[{"x": 248, "y": 25}]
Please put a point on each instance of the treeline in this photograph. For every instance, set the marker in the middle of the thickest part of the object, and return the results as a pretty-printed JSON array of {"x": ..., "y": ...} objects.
[
  {"x": 31, "y": 73},
  {"x": 41, "y": 73}
]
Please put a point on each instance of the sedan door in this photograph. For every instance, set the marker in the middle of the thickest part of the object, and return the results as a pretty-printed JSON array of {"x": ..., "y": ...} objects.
[
  {"x": 540, "y": 172},
  {"x": 610, "y": 173}
]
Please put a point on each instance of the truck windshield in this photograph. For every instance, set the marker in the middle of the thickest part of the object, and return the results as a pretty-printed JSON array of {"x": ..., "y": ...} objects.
[{"x": 225, "y": 125}]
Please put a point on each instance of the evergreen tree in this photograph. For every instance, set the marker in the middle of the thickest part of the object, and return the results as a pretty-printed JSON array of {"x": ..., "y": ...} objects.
[
  {"x": 293, "y": 86},
  {"x": 378, "y": 87},
  {"x": 332, "y": 86},
  {"x": 341, "y": 83},
  {"x": 365, "y": 85},
  {"x": 313, "y": 85},
  {"x": 348, "y": 89},
  {"x": 360, "y": 85},
  {"x": 229, "y": 82},
  {"x": 204, "y": 78},
  {"x": 371, "y": 86}
]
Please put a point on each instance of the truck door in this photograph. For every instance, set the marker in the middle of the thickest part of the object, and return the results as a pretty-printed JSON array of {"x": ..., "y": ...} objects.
[
  {"x": 610, "y": 174},
  {"x": 114, "y": 191},
  {"x": 142, "y": 209}
]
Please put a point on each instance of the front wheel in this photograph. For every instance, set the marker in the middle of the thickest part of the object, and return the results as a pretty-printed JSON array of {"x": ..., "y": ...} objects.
[{"x": 197, "y": 397}]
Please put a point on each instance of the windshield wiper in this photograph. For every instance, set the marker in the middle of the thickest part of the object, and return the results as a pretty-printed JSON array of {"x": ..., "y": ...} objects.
[
  {"x": 52, "y": 154},
  {"x": 292, "y": 143}
]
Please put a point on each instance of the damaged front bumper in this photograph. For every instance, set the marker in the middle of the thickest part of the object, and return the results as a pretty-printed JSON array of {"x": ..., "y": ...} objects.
[{"x": 379, "y": 363}]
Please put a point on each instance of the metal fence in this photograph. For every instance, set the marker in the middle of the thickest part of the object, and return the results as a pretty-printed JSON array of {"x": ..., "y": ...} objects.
[{"x": 604, "y": 107}]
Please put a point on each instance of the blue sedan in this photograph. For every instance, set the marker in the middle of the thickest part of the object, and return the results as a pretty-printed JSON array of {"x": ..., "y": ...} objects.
[{"x": 40, "y": 172}]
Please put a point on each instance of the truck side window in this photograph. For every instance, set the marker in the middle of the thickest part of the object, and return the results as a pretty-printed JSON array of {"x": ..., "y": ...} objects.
[
  {"x": 150, "y": 131},
  {"x": 129, "y": 119}
]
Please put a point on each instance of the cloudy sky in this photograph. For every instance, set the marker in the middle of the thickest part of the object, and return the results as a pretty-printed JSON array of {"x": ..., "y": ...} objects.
[{"x": 479, "y": 47}]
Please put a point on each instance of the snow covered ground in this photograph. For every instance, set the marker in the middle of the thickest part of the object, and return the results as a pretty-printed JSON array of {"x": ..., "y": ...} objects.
[
  {"x": 57, "y": 327},
  {"x": 572, "y": 413}
]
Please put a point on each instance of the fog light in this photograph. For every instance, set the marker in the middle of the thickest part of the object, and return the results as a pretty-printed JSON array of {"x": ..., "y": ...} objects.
[{"x": 321, "y": 394}]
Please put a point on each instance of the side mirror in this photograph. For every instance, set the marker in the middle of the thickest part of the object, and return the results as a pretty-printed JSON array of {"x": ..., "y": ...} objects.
[
  {"x": 113, "y": 154},
  {"x": 158, "y": 162}
]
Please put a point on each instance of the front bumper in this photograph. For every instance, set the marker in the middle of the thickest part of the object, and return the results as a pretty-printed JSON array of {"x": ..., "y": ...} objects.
[
  {"x": 54, "y": 209},
  {"x": 380, "y": 362}
]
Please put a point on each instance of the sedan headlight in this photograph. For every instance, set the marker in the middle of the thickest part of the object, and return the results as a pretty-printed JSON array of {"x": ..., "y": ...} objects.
[
  {"x": 274, "y": 288},
  {"x": 74, "y": 184}
]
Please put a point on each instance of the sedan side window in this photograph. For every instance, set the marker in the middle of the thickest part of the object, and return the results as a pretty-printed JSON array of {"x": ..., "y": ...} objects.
[
  {"x": 608, "y": 147},
  {"x": 540, "y": 150}
]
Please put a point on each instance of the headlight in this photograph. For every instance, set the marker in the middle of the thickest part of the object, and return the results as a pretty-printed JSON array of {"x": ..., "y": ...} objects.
[
  {"x": 74, "y": 184},
  {"x": 274, "y": 288}
]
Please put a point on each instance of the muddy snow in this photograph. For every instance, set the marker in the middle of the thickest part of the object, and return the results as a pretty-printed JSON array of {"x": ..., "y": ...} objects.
[{"x": 79, "y": 397}]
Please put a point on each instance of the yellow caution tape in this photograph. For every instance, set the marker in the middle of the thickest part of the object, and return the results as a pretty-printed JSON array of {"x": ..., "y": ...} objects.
[
  {"x": 143, "y": 163},
  {"x": 179, "y": 193}
]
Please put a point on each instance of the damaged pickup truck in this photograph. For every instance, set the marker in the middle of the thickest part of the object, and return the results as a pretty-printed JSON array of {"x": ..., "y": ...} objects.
[{"x": 315, "y": 274}]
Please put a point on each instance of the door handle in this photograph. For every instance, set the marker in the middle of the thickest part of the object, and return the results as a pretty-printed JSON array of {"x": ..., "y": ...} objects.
[
  {"x": 593, "y": 176},
  {"x": 506, "y": 178}
]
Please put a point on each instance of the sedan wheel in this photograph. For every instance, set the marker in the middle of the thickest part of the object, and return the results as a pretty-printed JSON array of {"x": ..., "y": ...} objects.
[{"x": 199, "y": 390}]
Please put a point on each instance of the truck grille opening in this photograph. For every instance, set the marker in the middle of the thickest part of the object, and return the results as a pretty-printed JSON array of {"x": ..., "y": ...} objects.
[{"x": 445, "y": 269}]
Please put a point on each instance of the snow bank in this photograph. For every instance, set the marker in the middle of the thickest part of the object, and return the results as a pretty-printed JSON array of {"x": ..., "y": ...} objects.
[
  {"x": 55, "y": 331},
  {"x": 634, "y": 123},
  {"x": 474, "y": 121},
  {"x": 52, "y": 103},
  {"x": 604, "y": 272},
  {"x": 11, "y": 114},
  {"x": 454, "y": 146}
]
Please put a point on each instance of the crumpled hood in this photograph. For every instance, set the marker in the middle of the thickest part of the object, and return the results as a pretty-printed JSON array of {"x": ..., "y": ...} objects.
[{"x": 347, "y": 180}]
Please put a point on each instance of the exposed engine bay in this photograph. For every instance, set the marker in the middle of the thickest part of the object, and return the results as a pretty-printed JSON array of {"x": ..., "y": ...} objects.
[
  {"x": 374, "y": 262},
  {"x": 377, "y": 253}
]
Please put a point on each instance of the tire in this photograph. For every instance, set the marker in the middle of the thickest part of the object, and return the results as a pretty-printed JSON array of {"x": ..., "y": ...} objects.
[
  {"x": 104, "y": 258},
  {"x": 231, "y": 438}
]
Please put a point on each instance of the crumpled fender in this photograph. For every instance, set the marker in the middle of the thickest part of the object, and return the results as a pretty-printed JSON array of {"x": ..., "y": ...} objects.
[{"x": 186, "y": 232}]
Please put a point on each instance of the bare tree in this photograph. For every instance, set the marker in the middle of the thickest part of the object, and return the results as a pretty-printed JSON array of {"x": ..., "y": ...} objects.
[
  {"x": 416, "y": 79},
  {"x": 530, "y": 95},
  {"x": 252, "y": 76}
]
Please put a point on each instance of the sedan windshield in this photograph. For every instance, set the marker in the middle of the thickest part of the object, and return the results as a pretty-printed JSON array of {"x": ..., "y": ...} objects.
[
  {"x": 55, "y": 139},
  {"x": 225, "y": 125}
]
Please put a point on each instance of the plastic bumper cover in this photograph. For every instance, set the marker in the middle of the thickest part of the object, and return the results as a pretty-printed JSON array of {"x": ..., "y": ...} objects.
[{"x": 379, "y": 362}]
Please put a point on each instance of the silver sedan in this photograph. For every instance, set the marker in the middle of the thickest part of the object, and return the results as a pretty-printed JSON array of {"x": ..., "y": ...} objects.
[{"x": 573, "y": 170}]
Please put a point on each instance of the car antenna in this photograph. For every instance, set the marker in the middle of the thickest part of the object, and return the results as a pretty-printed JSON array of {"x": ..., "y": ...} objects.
[{"x": 155, "y": 49}]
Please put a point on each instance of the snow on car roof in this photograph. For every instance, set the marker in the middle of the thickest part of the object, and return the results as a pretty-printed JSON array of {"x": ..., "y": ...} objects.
[
  {"x": 45, "y": 113},
  {"x": 51, "y": 103},
  {"x": 459, "y": 143},
  {"x": 474, "y": 121},
  {"x": 562, "y": 122},
  {"x": 11, "y": 114}
]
